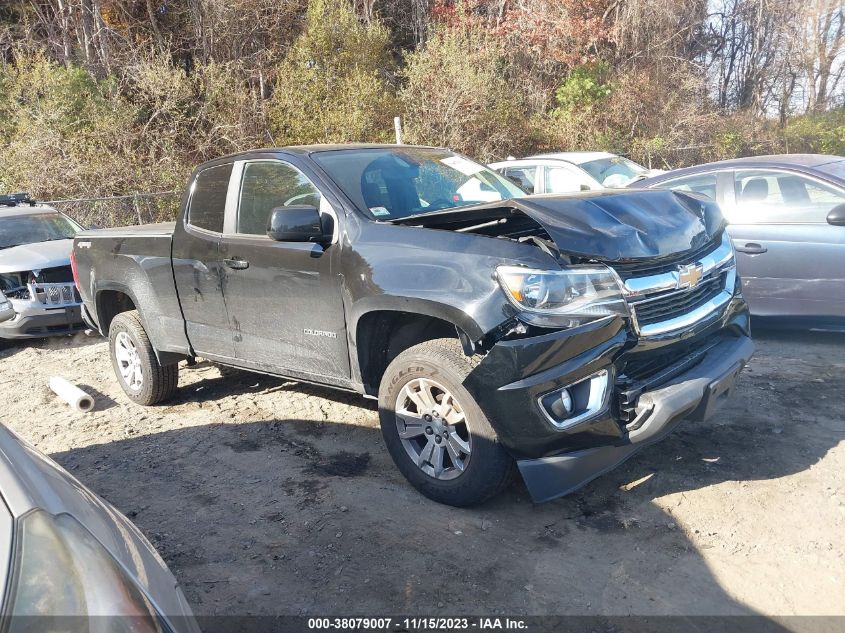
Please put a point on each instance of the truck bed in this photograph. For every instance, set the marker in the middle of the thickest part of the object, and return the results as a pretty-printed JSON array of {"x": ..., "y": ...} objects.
[
  {"x": 134, "y": 261},
  {"x": 144, "y": 230}
]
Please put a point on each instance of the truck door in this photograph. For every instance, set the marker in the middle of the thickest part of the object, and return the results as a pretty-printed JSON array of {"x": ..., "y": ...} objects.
[
  {"x": 284, "y": 299},
  {"x": 197, "y": 266}
]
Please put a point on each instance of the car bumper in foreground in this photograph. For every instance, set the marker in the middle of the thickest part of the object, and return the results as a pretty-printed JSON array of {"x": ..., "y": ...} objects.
[{"x": 694, "y": 394}]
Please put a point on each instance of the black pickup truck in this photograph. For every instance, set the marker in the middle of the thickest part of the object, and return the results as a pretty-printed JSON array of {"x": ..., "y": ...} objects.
[{"x": 557, "y": 333}]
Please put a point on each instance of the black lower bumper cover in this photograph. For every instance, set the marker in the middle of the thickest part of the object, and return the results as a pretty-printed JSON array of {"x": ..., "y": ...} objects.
[{"x": 694, "y": 394}]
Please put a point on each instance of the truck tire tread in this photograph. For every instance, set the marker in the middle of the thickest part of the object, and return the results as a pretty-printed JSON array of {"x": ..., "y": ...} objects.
[
  {"x": 160, "y": 381},
  {"x": 490, "y": 468}
]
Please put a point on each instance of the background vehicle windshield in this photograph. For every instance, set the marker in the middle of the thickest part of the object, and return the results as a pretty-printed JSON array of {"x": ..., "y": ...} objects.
[
  {"x": 38, "y": 227},
  {"x": 614, "y": 171},
  {"x": 391, "y": 183}
]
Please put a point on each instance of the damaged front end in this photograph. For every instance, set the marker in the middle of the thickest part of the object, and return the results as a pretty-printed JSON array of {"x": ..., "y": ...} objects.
[
  {"x": 45, "y": 302},
  {"x": 640, "y": 325}
]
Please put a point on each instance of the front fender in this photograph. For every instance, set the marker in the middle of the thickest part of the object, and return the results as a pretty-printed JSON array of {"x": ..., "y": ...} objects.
[{"x": 443, "y": 274}]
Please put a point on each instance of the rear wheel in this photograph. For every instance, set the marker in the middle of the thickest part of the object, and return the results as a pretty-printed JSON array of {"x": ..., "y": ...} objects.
[
  {"x": 435, "y": 431},
  {"x": 138, "y": 371}
]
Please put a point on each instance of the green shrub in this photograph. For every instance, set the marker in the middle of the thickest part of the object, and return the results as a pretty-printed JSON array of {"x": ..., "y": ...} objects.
[
  {"x": 586, "y": 86},
  {"x": 333, "y": 84},
  {"x": 457, "y": 94},
  {"x": 821, "y": 133},
  {"x": 61, "y": 131}
]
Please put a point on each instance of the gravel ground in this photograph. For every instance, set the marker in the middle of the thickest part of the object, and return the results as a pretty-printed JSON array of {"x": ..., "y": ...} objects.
[{"x": 274, "y": 497}]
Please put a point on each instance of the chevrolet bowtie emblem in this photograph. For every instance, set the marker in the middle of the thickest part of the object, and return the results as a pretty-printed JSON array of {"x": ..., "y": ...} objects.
[{"x": 689, "y": 275}]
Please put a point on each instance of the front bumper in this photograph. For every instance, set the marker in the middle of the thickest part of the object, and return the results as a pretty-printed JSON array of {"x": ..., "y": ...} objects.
[
  {"x": 694, "y": 394},
  {"x": 699, "y": 367},
  {"x": 33, "y": 320}
]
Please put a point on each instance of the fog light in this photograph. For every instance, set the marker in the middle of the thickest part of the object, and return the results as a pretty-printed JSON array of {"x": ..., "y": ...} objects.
[
  {"x": 562, "y": 407},
  {"x": 577, "y": 402}
]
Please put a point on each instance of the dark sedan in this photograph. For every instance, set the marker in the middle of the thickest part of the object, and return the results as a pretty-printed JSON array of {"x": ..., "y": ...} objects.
[{"x": 786, "y": 218}]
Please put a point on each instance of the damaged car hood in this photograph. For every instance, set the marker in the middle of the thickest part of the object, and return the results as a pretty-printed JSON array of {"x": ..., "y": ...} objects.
[
  {"x": 610, "y": 226},
  {"x": 35, "y": 256}
]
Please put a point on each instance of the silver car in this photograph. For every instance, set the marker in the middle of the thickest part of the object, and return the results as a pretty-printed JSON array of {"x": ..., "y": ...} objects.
[
  {"x": 786, "y": 218},
  {"x": 69, "y": 555},
  {"x": 35, "y": 270}
]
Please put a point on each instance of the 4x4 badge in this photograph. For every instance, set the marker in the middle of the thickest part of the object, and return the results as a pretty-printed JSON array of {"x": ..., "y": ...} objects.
[{"x": 689, "y": 275}]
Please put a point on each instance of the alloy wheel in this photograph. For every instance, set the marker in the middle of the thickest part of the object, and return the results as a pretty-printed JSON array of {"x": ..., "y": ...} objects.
[
  {"x": 128, "y": 361},
  {"x": 433, "y": 428}
]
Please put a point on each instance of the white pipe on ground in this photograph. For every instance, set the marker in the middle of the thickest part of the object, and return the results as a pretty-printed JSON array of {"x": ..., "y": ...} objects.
[{"x": 71, "y": 394}]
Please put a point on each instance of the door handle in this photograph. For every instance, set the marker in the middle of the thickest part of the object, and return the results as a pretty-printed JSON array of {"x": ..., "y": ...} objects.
[
  {"x": 751, "y": 248},
  {"x": 236, "y": 263}
]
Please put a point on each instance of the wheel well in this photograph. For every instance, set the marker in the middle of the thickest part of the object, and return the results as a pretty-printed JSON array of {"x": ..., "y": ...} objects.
[
  {"x": 110, "y": 303},
  {"x": 383, "y": 335}
]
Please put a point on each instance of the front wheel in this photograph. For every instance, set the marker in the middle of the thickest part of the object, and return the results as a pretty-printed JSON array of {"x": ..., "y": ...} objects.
[
  {"x": 435, "y": 431},
  {"x": 138, "y": 371}
]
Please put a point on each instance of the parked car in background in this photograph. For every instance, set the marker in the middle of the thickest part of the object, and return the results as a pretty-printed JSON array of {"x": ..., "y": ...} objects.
[
  {"x": 6, "y": 309},
  {"x": 786, "y": 218},
  {"x": 541, "y": 330},
  {"x": 35, "y": 272},
  {"x": 66, "y": 552},
  {"x": 564, "y": 172}
]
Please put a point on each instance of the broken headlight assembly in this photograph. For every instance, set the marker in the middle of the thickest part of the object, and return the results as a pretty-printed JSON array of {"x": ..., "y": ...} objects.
[
  {"x": 583, "y": 293},
  {"x": 61, "y": 570}
]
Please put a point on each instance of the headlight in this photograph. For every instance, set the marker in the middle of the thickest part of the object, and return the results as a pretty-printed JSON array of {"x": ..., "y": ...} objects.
[
  {"x": 591, "y": 292},
  {"x": 62, "y": 570}
]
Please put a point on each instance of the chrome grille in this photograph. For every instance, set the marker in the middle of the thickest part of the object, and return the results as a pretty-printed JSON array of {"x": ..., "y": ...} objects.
[
  {"x": 673, "y": 304},
  {"x": 55, "y": 295},
  {"x": 672, "y": 299}
]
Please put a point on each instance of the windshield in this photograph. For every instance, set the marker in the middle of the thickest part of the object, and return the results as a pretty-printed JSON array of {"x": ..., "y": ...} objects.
[
  {"x": 614, "y": 171},
  {"x": 37, "y": 227},
  {"x": 391, "y": 183}
]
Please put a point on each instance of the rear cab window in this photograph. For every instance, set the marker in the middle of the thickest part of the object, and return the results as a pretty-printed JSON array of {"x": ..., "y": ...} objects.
[{"x": 208, "y": 198}]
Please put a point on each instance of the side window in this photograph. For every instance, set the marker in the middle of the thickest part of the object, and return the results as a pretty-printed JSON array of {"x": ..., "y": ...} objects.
[
  {"x": 208, "y": 200},
  {"x": 562, "y": 180},
  {"x": 780, "y": 197},
  {"x": 704, "y": 184},
  {"x": 267, "y": 185},
  {"x": 525, "y": 177}
]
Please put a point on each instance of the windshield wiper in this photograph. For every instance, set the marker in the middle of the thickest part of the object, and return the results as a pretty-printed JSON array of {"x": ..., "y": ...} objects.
[{"x": 9, "y": 246}]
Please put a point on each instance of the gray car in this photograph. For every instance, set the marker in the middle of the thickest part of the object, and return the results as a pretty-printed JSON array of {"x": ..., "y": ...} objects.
[
  {"x": 35, "y": 270},
  {"x": 786, "y": 218},
  {"x": 70, "y": 555}
]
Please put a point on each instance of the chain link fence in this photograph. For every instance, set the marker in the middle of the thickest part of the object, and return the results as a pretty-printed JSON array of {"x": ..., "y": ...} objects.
[{"x": 140, "y": 208}]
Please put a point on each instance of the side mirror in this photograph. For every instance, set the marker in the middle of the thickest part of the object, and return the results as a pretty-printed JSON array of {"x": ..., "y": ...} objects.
[
  {"x": 299, "y": 223},
  {"x": 836, "y": 217},
  {"x": 585, "y": 188}
]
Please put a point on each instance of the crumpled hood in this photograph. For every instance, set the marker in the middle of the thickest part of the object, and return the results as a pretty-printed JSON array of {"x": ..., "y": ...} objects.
[
  {"x": 35, "y": 256},
  {"x": 615, "y": 226},
  {"x": 605, "y": 225}
]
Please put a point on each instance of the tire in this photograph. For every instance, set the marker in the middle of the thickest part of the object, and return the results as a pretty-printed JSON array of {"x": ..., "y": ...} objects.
[
  {"x": 155, "y": 383},
  {"x": 435, "y": 371}
]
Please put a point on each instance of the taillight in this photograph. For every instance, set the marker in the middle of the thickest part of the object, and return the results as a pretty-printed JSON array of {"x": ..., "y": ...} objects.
[{"x": 74, "y": 270}]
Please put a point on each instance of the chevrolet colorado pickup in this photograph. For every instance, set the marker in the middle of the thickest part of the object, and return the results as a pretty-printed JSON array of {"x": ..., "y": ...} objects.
[{"x": 558, "y": 333}]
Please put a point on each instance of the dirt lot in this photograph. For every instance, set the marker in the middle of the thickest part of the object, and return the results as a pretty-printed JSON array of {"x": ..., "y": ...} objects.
[{"x": 272, "y": 497}]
